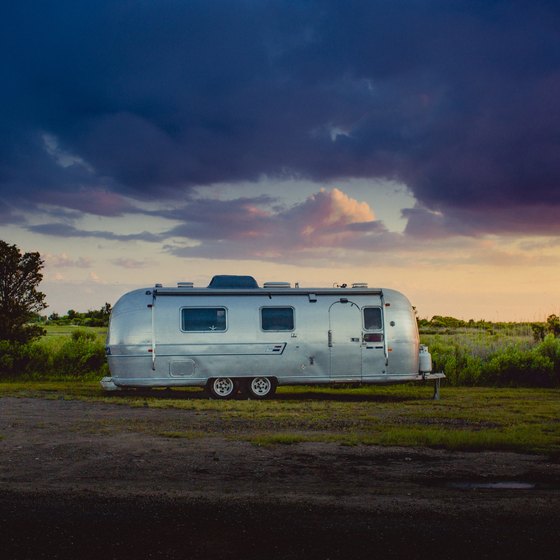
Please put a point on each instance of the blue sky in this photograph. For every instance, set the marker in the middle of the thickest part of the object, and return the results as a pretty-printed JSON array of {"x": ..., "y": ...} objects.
[{"x": 410, "y": 144}]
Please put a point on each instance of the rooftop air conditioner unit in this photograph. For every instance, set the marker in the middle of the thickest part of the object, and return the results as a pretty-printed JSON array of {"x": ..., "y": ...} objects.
[{"x": 274, "y": 285}]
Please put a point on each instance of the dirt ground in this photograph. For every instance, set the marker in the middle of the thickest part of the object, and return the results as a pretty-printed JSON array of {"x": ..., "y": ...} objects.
[{"x": 91, "y": 480}]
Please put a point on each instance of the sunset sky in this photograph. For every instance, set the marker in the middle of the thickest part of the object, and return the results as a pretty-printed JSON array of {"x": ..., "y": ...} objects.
[{"x": 410, "y": 144}]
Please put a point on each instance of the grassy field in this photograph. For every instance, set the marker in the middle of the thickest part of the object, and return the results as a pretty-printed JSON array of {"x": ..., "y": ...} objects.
[
  {"x": 500, "y": 355},
  {"x": 54, "y": 331},
  {"x": 64, "y": 353},
  {"x": 473, "y": 419}
]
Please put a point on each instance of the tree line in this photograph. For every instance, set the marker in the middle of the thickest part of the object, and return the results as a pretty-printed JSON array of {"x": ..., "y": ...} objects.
[
  {"x": 91, "y": 318},
  {"x": 540, "y": 330}
]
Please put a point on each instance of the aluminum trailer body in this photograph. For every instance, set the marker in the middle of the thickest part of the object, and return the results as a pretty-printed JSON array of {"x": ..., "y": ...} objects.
[{"x": 252, "y": 338}]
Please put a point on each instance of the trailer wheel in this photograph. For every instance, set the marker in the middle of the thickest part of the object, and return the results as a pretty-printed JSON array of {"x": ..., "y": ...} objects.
[
  {"x": 261, "y": 387},
  {"x": 222, "y": 387}
]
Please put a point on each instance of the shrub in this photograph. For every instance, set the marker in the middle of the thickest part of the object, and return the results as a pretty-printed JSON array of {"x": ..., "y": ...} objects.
[
  {"x": 550, "y": 348},
  {"x": 456, "y": 357},
  {"x": 7, "y": 357},
  {"x": 520, "y": 368},
  {"x": 478, "y": 358},
  {"x": 82, "y": 335},
  {"x": 23, "y": 358},
  {"x": 78, "y": 355},
  {"x": 81, "y": 354}
]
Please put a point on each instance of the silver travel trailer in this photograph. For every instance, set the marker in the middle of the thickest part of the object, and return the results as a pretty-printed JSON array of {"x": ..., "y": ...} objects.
[{"x": 235, "y": 336}]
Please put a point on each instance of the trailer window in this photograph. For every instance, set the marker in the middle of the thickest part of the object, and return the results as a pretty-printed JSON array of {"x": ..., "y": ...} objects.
[
  {"x": 372, "y": 318},
  {"x": 277, "y": 318},
  {"x": 203, "y": 319}
]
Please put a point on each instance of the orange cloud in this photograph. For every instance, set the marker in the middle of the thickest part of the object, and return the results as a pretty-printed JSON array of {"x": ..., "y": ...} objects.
[{"x": 325, "y": 215}]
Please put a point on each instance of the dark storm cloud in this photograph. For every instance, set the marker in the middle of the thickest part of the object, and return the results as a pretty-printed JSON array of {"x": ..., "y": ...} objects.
[
  {"x": 65, "y": 230},
  {"x": 8, "y": 216},
  {"x": 514, "y": 220},
  {"x": 145, "y": 99},
  {"x": 219, "y": 219}
]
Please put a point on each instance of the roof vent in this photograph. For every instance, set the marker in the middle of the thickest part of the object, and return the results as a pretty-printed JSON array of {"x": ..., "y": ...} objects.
[
  {"x": 359, "y": 285},
  {"x": 185, "y": 284},
  {"x": 225, "y": 281},
  {"x": 274, "y": 285}
]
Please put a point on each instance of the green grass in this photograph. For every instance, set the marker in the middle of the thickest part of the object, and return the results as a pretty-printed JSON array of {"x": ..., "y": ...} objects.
[
  {"x": 66, "y": 330},
  {"x": 275, "y": 439},
  {"x": 471, "y": 419}
]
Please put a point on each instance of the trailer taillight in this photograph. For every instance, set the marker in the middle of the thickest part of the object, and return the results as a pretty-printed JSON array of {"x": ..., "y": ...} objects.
[{"x": 373, "y": 337}]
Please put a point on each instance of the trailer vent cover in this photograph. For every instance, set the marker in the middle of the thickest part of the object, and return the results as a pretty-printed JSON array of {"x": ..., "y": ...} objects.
[
  {"x": 225, "y": 281},
  {"x": 185, "y": 284},
  {"x": 272, "y": 285},
  {"x": 360, "y": 285}
]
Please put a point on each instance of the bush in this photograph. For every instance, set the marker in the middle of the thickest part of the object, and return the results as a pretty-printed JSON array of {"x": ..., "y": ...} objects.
[
  {"x": 457, "y": 359},
  {"x": 81, "y": 354},
  {"x": 23, "y": 358},
  {"x": 550, "y": 348},
  {"x": 496, "y": 360},
  {"x": 81, "y": 335},
  {"x": 519, "y": 368}
]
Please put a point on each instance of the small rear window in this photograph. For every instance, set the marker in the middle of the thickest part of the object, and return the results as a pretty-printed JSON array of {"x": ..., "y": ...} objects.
[
  {"x": 277, "y": 318},
  {"x": 372, "y": 318}
]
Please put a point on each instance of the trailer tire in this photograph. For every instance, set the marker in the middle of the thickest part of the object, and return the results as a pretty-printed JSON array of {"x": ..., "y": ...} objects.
[
  {"x": 222, "y": 387},
  {"x": 261, "y": 387}
]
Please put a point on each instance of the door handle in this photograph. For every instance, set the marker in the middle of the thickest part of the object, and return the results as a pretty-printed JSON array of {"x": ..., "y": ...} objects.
[{"x": 354, "y": 339}]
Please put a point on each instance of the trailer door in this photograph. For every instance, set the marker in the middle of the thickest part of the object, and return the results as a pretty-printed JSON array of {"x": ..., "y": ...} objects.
[
  {"x": 344, "y": 339},
  {"x": 374, "y": 345}
]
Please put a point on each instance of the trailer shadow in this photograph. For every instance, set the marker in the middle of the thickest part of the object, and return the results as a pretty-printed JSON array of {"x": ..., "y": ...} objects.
[
  {"x": 292, "y": 396},
  {"x": 340, "y": 397}
]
